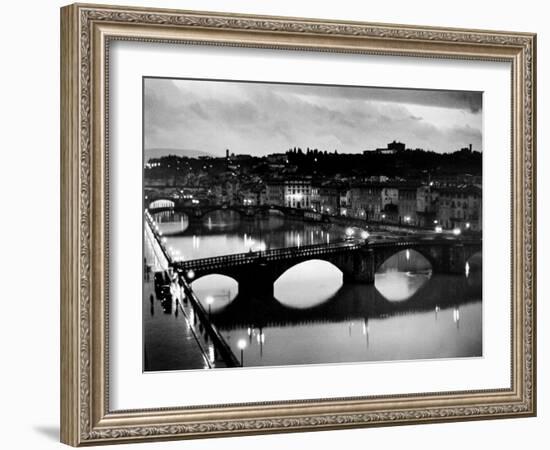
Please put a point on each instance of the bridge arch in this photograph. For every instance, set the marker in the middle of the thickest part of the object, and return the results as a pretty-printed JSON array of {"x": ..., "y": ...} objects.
[
  {"x": 215, "y": 291},
  {"x": 475, "y": 257},
  {"x": 161, "y": 203},
  {"x": 447, "y": 257},
  {"x": 200, "y": 212},
  {"x": 324, "y": 262},
  {"x": 404, "y": 255},
  {"x": 270, "y": 209},
  {"x": 207, "y": 211},
  {"x": 474, "y": 265},
  {"x": 294, "y": 290},
  {"x": 201, "y": 276}
]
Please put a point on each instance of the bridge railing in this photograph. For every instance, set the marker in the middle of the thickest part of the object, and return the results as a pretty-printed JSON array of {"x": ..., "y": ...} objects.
[
  {"x": 423, "y": 242},
  {"x": 314, "y": 249},
  {"x": 220, "y": 345},
  {"x": 268, "y": 255}
]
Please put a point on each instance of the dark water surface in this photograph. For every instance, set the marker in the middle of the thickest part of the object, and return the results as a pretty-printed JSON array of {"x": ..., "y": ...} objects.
[{"x": 313, "y": 317}]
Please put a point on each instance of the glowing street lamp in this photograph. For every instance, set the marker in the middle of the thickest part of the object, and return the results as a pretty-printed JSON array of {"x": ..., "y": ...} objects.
[
  {"x": 242, "y": 345},
  {"x": 349, "y": 232},
  {"x": 365, "y": 234},
  {"x": 190, "y": 274},
  {"x": 456, "y": 231},
  {"x": 439, "y": 229}
]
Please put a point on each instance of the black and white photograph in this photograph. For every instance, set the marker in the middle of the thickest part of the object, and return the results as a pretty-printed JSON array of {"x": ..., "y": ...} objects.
[{"x": 293, "y": 224}]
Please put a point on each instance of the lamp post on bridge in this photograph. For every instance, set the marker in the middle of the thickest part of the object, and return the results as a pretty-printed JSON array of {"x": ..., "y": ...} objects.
[{"x": 242, "y": 345}]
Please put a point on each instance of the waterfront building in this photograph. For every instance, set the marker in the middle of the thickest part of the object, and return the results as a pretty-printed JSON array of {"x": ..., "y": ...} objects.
[
  {"x": 230, "y": 192},
  {"x": 366, "y": 201},
  {"x": 297, "y": 193},
  {"x": 390, "y": 195},
  {"x": 249, "y": 197},
  {"x": 316, "y": 197},
  {"x": 380, "y": 202},
  {"x": 391, "y": 149},
  {"x": 450, "y": 180},
  {"x": 275, "y": 192},
  {"x": 427, "y": 205},
  {"x": 460, "y": 207},
  {"x": 345, "y": 201},
  {"x": 329, "y": 198},
  {"x": 407, "y": 204}
]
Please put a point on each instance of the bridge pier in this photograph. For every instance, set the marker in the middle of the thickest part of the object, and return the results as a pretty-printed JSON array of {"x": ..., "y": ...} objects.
[
  {"x": 358, "y": 266},
  {"x": 450, "y": 260},
  {"x": 257, "y": 281}
]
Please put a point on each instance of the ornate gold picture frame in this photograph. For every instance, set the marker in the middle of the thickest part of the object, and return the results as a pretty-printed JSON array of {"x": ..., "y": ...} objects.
[{"x": 87, "y": 31}]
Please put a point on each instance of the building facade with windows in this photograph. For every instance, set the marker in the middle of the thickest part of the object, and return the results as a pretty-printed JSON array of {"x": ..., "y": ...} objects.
[
  {"x": 407, "y": 204},
  {"x": 297, "y": 193},
  {"x": 460, "y": 207},
  {"x": 275, "y": 193}
]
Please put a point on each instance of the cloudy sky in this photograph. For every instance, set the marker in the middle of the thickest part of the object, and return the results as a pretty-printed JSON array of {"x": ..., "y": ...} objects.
[{"x": 264, "y": 118}]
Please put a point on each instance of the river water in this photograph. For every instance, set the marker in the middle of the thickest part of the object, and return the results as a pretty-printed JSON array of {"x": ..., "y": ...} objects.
[{"x": 313, "y": 317}]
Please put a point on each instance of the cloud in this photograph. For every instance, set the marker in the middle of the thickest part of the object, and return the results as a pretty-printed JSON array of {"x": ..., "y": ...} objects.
[{"x": 262, "y": 118}]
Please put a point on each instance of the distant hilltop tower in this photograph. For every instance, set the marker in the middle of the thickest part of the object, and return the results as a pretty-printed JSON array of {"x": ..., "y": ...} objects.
[
  {"x": 396, "y": 146},
  {"x": 466, "y": 149},
  {"x": 227, "y": 153}
]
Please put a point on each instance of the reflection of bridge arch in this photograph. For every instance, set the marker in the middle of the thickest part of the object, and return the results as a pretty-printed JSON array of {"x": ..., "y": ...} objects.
[
  {"x": 444, "y": 292},
  {"x": 161, "y": 203},
  {"x": 200, "y": 275}
]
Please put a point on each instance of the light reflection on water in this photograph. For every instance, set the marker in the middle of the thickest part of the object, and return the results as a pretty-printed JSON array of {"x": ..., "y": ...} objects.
[
  {"x": 402, "y": 275},
  {"x": 223, "y": 233},
  {"x": 399, "y": 286},
  {"x": 422, "y": 335},
  {"x": 409, "y": 313}
]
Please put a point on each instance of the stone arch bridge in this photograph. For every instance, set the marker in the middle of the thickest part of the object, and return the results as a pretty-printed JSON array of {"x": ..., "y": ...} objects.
[
  {"x": 198, "y": 211},
  {"x": 358, "y": 261}
]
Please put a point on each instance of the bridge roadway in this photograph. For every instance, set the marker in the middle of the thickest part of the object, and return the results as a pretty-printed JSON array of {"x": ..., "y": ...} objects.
[{"x": 357, "y": 260}]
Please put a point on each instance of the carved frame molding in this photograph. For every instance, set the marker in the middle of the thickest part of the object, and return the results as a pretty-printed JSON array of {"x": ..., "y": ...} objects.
[{"x": 86, "y": 31}]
